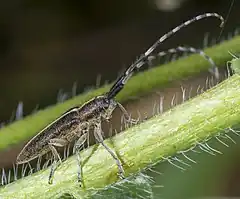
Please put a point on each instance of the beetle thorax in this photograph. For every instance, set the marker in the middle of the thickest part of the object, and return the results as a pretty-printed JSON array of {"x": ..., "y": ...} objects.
[{"x": 105, "y": 106}]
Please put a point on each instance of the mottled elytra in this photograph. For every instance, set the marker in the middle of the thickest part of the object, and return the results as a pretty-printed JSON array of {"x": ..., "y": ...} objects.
[{"x": 74, "y": 124}]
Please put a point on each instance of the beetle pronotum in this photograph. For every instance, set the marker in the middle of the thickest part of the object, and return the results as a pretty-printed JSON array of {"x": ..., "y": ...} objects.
[{"x": 75, "y": 123}]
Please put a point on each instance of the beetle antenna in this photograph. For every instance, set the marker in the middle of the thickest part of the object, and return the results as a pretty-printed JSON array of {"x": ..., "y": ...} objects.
[{"x": 121, "y": 81}]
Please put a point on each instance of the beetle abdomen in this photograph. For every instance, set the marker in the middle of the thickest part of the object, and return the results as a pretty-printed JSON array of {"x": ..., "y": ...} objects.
[{"x": 65, "y": 125}]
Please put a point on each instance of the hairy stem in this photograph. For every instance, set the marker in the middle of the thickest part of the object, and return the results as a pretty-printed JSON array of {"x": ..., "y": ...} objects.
[{"x": 162, "y": 136}]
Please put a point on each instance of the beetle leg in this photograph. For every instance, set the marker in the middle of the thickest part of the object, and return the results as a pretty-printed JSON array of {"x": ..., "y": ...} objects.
[
  {"x": 78, "y": 146},
  {"x": 126, "y": 115},
  {"x": 58, "y": 142},
  {"x": 57, "y": 160},
  {"x": 99, "y": 138}
]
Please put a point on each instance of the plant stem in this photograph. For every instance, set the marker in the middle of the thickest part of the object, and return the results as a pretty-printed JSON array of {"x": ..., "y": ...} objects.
[{"x": 162, "y": 136}]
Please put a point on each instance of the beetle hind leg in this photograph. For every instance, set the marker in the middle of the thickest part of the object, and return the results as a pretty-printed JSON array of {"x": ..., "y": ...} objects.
[
  {"x": 78, "y": 146},
  {"x": 57, "y": 160}
]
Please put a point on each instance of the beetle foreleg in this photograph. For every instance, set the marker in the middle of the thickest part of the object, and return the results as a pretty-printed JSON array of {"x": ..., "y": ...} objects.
[{"x": 126, "y": 115}]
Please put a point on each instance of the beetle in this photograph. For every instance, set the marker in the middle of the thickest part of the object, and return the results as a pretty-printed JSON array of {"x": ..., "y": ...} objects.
[{"x": 76, "y": 122}]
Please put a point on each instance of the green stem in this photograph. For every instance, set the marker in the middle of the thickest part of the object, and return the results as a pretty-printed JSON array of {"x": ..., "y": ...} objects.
[
  {"x": 162, "y": 136},
  {"x": 137, "y": 86}
]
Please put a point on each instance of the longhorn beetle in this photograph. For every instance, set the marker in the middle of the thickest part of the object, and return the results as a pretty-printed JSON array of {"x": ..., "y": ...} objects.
[{"x": 75, "y": 123}]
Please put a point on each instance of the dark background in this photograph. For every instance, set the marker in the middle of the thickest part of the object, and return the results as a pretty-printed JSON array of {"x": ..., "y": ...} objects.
[{"x": 46, "y": 46}]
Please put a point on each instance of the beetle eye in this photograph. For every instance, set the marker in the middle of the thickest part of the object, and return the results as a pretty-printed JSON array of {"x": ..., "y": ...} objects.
[{"x": 106, "y": 101}]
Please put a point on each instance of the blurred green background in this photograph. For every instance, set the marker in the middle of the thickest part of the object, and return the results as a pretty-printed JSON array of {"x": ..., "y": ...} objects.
[{"x": 48, "y": 45}]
